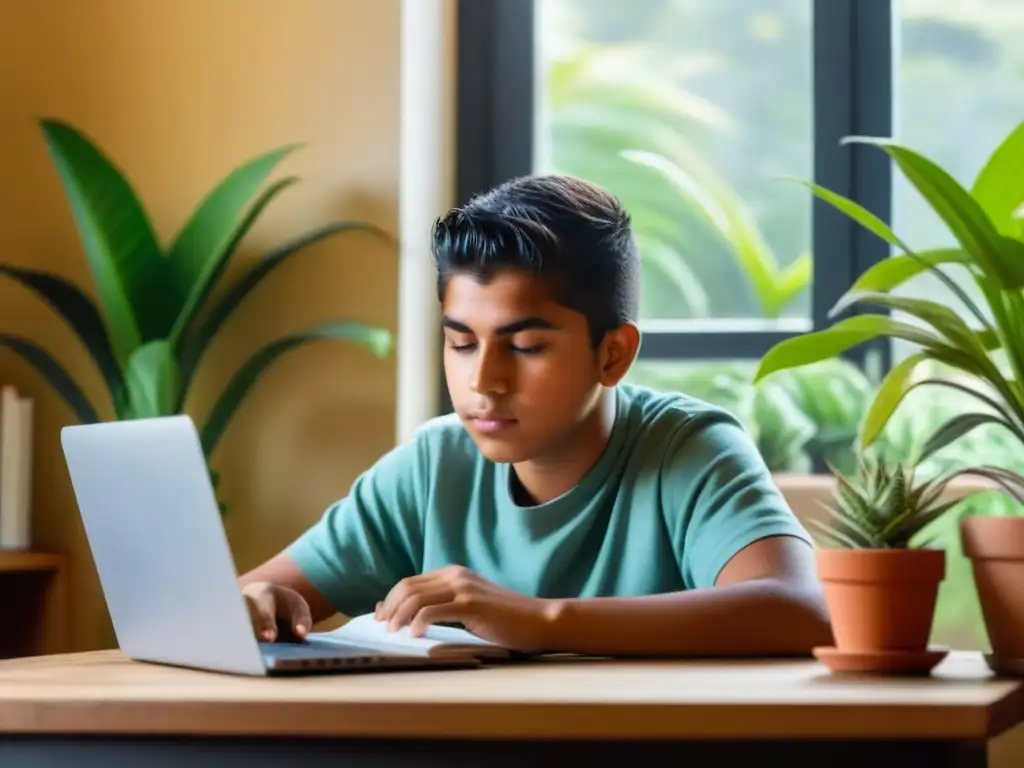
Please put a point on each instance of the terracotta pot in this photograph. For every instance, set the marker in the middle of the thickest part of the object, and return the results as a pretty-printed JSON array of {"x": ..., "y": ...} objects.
[
  {"x": 881, "y": 599},
  {"x": 995, "y": 546}
]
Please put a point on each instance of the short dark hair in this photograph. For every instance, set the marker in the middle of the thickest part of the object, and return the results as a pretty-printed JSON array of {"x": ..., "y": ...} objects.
[{"x": 559, "y": 228}]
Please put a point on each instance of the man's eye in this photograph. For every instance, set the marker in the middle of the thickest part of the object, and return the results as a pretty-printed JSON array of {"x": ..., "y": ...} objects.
[{"x": 533, "y": 350}]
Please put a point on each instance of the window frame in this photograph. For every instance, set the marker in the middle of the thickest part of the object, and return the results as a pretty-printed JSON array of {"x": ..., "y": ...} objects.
[{"x": 852, "y": 95}]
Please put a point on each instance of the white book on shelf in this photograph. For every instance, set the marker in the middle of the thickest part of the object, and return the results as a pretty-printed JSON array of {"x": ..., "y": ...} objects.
[
  {"x": 23, "y": 536},
  {"x": 16, "y": 431}
]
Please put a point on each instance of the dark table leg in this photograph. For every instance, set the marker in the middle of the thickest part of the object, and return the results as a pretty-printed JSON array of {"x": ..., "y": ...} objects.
[{"x": 165, "y": 752}]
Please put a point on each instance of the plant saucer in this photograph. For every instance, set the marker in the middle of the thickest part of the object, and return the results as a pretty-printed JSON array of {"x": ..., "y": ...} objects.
[{"x": 881, "y": 662}]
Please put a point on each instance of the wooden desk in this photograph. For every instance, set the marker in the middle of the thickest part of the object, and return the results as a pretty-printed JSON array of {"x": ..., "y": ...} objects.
[{"x": 97, "y": 709}]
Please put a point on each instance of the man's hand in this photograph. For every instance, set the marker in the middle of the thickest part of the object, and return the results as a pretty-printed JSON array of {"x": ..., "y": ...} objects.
[
  {"x": 269, "y": 603},
  {"x": 456, "y": 594}
]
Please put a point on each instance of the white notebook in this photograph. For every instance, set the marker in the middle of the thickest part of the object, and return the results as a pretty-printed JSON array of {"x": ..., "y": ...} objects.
[{"x": 438, "y": 641}]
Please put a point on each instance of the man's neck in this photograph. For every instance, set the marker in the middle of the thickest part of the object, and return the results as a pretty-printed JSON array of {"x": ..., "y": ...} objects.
[{"x": 548, "y": 477}]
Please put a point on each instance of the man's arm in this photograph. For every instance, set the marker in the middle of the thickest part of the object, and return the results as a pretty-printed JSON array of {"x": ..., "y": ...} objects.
[
  {"x": 767, "y": 601},
  {"x": 283, "y": 571},
  {"x": 746, "y": 561}
]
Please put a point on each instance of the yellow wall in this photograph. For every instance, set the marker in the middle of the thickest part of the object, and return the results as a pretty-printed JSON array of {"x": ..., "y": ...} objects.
[{"x": 178, "y": 93}]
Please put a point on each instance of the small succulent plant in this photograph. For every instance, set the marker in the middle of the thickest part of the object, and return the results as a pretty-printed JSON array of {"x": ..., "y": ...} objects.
[{"x": 882, "y": 506}]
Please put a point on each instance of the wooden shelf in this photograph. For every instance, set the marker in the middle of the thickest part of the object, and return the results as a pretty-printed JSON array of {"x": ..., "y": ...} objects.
[
  {"x": 21, "y": 561},
  {"x": 33, "y": 593}
]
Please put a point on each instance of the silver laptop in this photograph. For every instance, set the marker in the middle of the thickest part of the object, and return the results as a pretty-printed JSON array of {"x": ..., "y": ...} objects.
[{"x": 164, "y": 564}]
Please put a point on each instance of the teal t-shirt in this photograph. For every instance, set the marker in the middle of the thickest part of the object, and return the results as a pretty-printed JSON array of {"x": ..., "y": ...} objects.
[{"x": 679, "y": 490}]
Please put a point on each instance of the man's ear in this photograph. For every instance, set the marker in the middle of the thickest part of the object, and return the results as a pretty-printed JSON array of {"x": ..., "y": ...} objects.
[{"x": 617, "y": 353}]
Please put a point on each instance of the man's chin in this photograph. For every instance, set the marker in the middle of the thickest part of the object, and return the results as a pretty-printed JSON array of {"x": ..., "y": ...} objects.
[{"x": 498, "y": 450}]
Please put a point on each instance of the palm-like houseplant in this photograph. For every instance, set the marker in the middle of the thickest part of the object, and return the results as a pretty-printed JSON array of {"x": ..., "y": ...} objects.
[
  {"x": 882, "y": 505},
  {"x": 153, "y": 318},
  {"x": 881, "y": 580},
  {"x": 985, "y": 347}
]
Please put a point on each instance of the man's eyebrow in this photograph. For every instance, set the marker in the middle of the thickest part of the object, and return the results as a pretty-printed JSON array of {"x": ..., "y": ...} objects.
[{"x": 525, "y": 324}]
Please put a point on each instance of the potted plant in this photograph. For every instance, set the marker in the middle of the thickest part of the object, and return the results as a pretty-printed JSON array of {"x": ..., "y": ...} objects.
[
  {"x": 153, "y": 318},
  {"x": 881, "y": 580},
  {"x": 982, "y": 342}
]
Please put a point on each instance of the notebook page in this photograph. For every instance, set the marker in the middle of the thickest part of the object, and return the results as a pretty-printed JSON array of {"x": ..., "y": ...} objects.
[{"x": 366, "y": 629}]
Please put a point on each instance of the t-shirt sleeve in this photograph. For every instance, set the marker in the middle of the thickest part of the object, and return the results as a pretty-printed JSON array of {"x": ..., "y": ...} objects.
[
  {"x": 720, "y": 498},
  {"x": 371, "y": 539}
]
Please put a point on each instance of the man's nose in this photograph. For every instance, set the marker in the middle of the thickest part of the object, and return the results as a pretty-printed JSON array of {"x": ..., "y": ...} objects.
[{"x": 490, "y": 374}]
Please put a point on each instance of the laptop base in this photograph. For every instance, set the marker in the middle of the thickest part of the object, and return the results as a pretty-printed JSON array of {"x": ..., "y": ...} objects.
[{"x": 284, "y": 658}]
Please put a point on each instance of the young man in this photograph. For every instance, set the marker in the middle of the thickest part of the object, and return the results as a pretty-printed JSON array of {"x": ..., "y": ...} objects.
[{"x": 558, "y": 508}]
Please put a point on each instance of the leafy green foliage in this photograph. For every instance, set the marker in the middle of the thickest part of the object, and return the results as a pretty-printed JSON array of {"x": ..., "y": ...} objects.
[
  {"x": 613, "y": 120},
  {"x": 775, "y": 287},
  {"x": 881, "y": 507},
  {"x": 150, "y": 324},
  {"x": 984, "y": 345}
]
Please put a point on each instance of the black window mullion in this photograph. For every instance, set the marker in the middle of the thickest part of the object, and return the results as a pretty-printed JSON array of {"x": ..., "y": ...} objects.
[
  {"x": 874, "y": 94},
  {"x": 495, "y": 94},
  {"x": 853, "y": 94}
]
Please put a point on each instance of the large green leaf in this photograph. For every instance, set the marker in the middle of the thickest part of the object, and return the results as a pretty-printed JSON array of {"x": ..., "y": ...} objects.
[
  {"x": 940, "y": 317},
  {"x": 152, "y": 379},
  {"x": 196, "y": 340},
  {"x": 80, "y": 314},
  {"x": 825, "y": 344},
  {"x": 998, "y": 256},
  {"x": 998, "y": 187},
  {"x": 894, "y": 387},
  {"x": 55, "y": 375},
  {"x": 376, "y": 340},
  {"x": 889, "y": 274},
  {"x": 204, "y": 246},
  {"x": 967, "y": 349},
  {"x": 117, "y": 237}
]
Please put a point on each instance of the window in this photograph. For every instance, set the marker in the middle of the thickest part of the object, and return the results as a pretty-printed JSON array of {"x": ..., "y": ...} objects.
[{"x": 690, "y": 111}]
